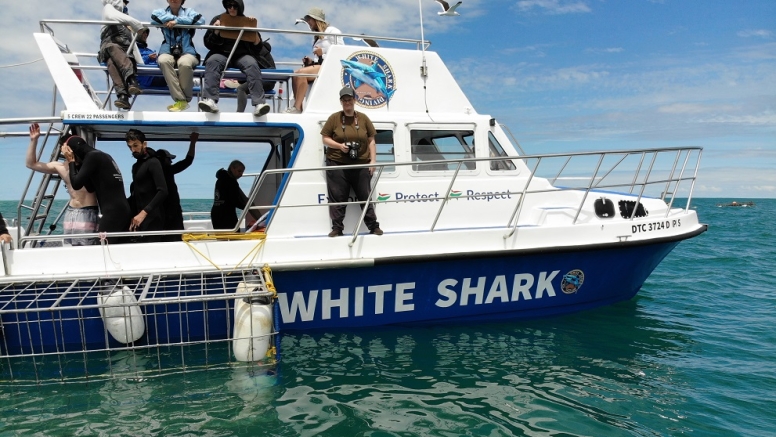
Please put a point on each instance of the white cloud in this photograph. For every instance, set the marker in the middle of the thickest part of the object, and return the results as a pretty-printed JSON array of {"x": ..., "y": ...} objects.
[
  {"x": 606, "y": 50},
  {"x": 764, "y": 119},
  {"x": 554, "y": 7},
  {"x": 760, "y": 33}
]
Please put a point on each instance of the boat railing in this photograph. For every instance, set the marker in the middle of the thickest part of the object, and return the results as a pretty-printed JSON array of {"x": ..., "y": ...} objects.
[
  {"x": 665, "y": 173},
  {"x": 280, "y": 74},
  {"x": 668, "y": 173}
]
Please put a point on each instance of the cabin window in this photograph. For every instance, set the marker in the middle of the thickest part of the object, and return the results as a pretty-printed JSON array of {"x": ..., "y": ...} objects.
[
  {"x": 496, "y": 150},
  {"x": 385, "y": 149},
  {"x": 434, "y": 145}
]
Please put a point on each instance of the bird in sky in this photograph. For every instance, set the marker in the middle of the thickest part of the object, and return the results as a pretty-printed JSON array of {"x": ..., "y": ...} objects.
[
  {"x": 447, "y": 10},
  {"x": 367, "y": 41}
]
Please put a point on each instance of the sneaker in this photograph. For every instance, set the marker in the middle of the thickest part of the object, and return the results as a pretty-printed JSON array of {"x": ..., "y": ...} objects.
[
  {"x": 178, "y": 106},
  {"x": 208, "y": 105},
  {"x": 133, "y": 87},
  {"x": 293, "y": 110},
  {"x": 376, "y": 231},
  {"x": 335, "y": 233},
  {"x": 260, "y": 109},
  {"x": 122, "y": 102}
]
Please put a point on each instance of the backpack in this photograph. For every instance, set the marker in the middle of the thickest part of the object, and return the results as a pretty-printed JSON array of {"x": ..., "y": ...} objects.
[{"x": 263, "y": 55}]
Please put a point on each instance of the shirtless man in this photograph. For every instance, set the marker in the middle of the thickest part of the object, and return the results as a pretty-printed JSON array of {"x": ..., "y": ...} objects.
[{"x": 82, "y": 214}]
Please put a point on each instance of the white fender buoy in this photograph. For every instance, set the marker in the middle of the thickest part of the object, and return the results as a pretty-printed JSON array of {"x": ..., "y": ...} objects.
[
  {"x": 252, "y": 324},
  {"x": 121, "y": 315}
]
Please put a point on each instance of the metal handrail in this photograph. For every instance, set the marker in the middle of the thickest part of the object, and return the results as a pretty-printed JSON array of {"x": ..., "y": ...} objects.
[{"x": 593, "y": 183}]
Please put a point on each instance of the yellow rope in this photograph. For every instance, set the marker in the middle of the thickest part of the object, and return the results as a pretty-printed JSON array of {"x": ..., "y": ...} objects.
[
  {"x": 255, "y": 249},
  {"x": 268, "y": 280},
  {"x": 226, "y": 236}
]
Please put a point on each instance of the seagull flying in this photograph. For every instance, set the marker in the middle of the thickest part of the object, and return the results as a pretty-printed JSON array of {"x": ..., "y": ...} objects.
[
  {"x": 447, "y": 10},
  {"x": 299, "y": 20},
  {"x": 367, "y": 41}
]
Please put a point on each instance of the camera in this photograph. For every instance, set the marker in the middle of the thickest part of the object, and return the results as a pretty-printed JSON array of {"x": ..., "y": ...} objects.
[
  {"x": 353, "y": 147},
  {"x": 176, "y": 51}
]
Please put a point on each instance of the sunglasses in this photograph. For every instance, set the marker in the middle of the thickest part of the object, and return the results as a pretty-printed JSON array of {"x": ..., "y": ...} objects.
[{"x": 232, "y": 6}]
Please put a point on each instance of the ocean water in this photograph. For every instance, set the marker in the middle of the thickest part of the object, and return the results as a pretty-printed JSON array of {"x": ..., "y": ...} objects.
[{"x": 693, "y": 354}]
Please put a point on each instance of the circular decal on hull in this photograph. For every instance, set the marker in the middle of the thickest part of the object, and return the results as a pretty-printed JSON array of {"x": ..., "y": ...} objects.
[
  {"x": 370, "y": 75},
  {"x": 572, "y": 281}
]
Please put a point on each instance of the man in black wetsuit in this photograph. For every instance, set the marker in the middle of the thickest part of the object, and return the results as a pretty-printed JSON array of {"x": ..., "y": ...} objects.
[
  {"x": 148, "y": 189},
  {"x": 228, "y": 196},
  {"x": 173, "y": 214},
  {"x": 99, "y": 173}
]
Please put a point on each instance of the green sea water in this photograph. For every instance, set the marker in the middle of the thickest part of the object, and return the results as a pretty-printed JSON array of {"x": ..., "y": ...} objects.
[{"x": 693, "y": 354}]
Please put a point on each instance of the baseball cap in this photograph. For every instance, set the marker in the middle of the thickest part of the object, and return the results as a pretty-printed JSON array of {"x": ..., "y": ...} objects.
[{"x": 347, "y": 91}]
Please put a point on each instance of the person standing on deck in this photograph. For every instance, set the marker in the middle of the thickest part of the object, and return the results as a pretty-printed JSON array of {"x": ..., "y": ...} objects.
[
  {"x": 115, "y": 40},
  {"x": 82, "y": 214},
  {"x": 228, "y": 197},
  {"x": 220, "y": 44},
  {"x": 173, "y": 214},
  {"x": 100, "y": 174},
  {"x": 148, "y": 189},
  {"x": 349, "y": 137},
  {"x": 178, "y": 50}
]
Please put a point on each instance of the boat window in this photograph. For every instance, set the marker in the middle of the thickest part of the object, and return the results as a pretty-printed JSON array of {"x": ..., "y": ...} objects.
[
  {"x": 434, "y": 145},
  {"x": 385, "y": 149},
  {"x": 496, "y": 150}
]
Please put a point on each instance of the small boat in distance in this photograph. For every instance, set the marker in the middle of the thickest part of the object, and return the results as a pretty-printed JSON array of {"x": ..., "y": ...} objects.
[{"x": 738, "y": 204}]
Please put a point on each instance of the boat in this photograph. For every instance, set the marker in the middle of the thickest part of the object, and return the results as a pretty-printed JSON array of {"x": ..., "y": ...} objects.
[
  {"x": 736, "y": 204},
  {"x": 476, "y": 229}
]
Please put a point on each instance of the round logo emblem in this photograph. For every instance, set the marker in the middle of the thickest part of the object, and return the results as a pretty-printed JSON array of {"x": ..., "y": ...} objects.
[
  {"x": 572, "y": 281},
  {"x": 370, "y": 75}
]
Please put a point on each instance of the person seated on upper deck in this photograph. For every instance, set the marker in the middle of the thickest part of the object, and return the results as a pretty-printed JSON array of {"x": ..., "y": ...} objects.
[
  {"x": 148, "y": 188},
  {"x": 348, "y": 146},
  {"x": 115, "y": 40},
  {"x": 82, "y": 214},
  {"x": 149, "y": 58},
  {"x": 228, "y": 197},
  {"x": 173, "y": 214},
  {"x": 178, "y": 50},
  {"x": 5, "y": 237},
  {"x": 220, "y": 43},
  {"x": 316, "y": 20},
  {"x": 100, "y": 174}
]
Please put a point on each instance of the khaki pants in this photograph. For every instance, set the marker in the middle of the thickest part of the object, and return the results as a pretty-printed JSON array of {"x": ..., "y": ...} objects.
[{"x": 181, "y": 82}]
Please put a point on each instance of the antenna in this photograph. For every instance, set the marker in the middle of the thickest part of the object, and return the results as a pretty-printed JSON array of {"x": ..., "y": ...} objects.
[{"x": 423, "y": 67}]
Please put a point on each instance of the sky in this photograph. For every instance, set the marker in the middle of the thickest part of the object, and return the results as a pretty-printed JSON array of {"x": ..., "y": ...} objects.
[{"x": 562, "y": 75}]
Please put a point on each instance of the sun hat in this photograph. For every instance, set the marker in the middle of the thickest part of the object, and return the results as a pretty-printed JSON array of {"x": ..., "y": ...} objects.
[
  {"x": 347, "y": 91},
  {"x": 316, "y": 14}
]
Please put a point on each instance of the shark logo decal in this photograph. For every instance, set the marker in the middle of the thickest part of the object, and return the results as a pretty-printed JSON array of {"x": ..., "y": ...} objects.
[
  {"x": 370, "y": 75},
  {"x": 572, "y": 281}
]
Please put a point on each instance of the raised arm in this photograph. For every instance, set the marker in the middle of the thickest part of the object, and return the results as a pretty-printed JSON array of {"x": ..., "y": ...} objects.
[
  {"x": 189, "y": 159},
  {"x": 31, "y": 160}
]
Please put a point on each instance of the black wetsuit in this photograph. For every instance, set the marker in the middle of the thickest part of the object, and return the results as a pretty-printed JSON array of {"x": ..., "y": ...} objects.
[
  {"x": 226, "y": 198},
  {"x": 99, "y": 173},
  {"x": 173, "y": 214},
  {"x": 148, "y": 191}
]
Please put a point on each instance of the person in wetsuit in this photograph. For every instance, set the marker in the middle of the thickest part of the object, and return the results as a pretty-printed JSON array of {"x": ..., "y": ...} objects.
[
  {"x": 173, "y": 214},
  {"x": 99, "y": 173},
  {"x": 228, "y": 196},
  {"x": 148, "y": 189}
]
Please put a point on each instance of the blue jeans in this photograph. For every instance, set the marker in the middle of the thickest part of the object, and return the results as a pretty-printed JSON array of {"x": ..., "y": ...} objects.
[{"x": 216, "y": 63}]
